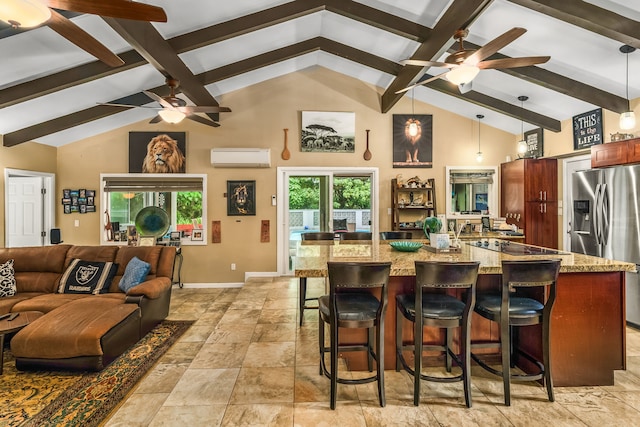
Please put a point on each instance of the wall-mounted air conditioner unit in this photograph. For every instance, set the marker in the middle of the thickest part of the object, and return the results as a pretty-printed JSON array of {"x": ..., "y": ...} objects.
[{"x": 241, "y": 157}]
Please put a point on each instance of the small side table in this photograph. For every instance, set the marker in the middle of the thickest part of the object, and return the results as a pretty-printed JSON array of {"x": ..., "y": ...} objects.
[
  {"x": 179, "y": 260},
  {"x": 8, "y": 327}
]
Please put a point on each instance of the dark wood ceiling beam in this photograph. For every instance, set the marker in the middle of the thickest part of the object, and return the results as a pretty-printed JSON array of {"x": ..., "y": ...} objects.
[
  {"x": 216, "y": 33},
  {"x": 65, "y": 79},
  {"x": 458, "y": 15},
  {"x": 559, "y": 83},
  {"x": 156, "y": 50},
  {"x": 100, "y": 111},
  {"x": 588, "y": 16},
  {"x": 495, "y": 104},
  {"x": 379, "y": 19}
]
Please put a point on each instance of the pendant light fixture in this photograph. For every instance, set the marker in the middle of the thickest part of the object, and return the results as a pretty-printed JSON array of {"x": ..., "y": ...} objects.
[
  {"x": 413, "y": 126},
  {"x": 522, "y": 144},
  {"x": 628, "y": 118},
  {"x": 479, "y": 154}
]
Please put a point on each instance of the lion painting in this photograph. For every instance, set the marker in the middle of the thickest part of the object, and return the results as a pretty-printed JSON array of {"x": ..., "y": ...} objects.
[{"x": 163, "y": 156}]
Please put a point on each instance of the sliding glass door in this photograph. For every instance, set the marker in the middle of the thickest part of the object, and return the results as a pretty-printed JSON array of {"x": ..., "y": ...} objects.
[{"x": 330, "y": 200}]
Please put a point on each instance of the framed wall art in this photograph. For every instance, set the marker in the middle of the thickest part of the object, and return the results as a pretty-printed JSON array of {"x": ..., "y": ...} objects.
[
  {"x": 81, "y": 201},
  {"x": 535, "y": 146},
  {"x": 241, "y": 198},
  {"x": 328, "y": 132},
  {"x": 412, "y": 149},
  {"x": 197, "y": 235},
  {"x": 587, "y": 129},
  {"x": 157, "y": 152}
]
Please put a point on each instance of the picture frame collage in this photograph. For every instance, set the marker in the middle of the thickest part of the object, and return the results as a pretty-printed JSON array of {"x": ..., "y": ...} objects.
[{"x": 78, "y": 201}]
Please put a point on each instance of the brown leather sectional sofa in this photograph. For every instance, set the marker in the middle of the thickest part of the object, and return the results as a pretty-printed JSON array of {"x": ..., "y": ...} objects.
[{"x": 84, "y": 331}]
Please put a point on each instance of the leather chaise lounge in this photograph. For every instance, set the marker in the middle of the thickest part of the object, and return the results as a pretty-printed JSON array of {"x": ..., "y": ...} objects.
[{"x": 84, "y": 331}]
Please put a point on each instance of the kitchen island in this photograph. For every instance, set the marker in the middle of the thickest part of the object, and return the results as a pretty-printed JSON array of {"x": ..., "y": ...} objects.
[{"x": 588, "y": 321}]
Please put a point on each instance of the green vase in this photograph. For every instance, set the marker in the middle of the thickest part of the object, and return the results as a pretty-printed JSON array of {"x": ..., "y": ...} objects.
[{"x": 432, "y": 225}]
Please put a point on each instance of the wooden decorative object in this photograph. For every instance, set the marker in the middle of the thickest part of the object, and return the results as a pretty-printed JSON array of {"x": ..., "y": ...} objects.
[
  {"x": 216, "y": 232},
  {"x": 367, "y": 153},
  {"x": 286, "y": 155},
  {"x": 264, "y": 231}
]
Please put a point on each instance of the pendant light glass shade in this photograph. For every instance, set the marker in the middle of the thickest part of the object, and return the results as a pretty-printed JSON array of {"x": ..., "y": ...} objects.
[
  {"x": 171, "y": 116},
  {"x": 628, "y": 118},
  {"x": 462, "y": 74},
  {"x": 522, "y": 144},
  {"x": 24, "y": 13}
]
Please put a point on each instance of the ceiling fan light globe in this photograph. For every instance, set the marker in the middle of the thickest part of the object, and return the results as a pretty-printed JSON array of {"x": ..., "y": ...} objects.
[
  {"x": 462, "y": 74},
  {"x": 522, "y": 146},
  {"x": 24, "y": 13},
  {"x": 627, "y": 120},
  {"x": 171, "y": 116}
]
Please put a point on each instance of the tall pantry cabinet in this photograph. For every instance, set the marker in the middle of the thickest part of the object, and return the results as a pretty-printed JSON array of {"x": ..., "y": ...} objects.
[{"x": 529, "y": 199}]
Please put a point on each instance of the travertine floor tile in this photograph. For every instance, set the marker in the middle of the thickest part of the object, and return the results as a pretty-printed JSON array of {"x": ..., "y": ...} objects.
[
  {"x": 138, "y": 411},
  {"x": 192, "y": 416},
  {"x": 259, "y": 385},
  {"x": 228, "y": 334},
  {"x": 276, "y": 415},
  {"x": 287, "y": 315},
  {"x": 318, "y": 414},
  {"x": 310, "y": 386},
  {"x": 599, "y": 409},
  {"x": 274, "y": 332},
  {"x": 163, "y": 378},
  {"x": 199, "y": 387},
  {"x": 270, "y": 355},
  {"x": 220, "y": 355}
]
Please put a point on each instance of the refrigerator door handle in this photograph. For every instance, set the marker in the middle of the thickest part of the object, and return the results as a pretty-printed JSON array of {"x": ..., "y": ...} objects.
[
  {"x": 605, "y": 213},
  {"x": 596, "y": 215}
]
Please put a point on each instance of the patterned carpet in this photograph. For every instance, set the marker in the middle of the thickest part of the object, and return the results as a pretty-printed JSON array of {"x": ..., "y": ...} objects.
[{"x": 80, "y": 399}]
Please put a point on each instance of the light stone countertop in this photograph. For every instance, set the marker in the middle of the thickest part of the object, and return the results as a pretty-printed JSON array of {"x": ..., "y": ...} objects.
[{"x": 311, "y": 259}]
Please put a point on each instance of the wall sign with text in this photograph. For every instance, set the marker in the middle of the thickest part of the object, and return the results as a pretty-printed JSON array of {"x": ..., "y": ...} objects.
[
  {"x": 587, "y": 129},
  {"x": 535, "y": 148}
]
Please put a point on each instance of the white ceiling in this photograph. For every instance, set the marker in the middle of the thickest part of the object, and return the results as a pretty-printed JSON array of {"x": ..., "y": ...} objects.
[{"x": 575, "y": 53}]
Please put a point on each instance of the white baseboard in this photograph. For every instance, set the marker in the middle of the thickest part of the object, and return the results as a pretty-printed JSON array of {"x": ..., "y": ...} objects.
[{"x": 248, "y": 274}]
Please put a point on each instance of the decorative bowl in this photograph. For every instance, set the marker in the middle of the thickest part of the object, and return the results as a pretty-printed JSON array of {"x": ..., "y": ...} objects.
[
  {"x": 152, "y": 221},
  {"x": 405, "y": 246}
]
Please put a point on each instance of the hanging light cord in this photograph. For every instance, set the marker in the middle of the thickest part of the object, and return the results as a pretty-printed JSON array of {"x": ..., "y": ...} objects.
[
  {"x": 628, "y": 102},
  {"x": 479, "y": 133},
  {"x": 522, "y": 120}
]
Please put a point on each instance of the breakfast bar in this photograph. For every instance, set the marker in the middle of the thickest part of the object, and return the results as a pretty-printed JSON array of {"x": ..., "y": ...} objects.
[{"x": 588, "y": 321}]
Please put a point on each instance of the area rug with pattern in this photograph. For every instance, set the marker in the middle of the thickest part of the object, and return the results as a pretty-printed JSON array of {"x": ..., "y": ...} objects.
[{"x": 50, "y": 398}]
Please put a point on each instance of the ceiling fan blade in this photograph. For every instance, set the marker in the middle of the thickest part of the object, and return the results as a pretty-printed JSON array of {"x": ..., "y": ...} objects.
[
  {"x": 113, "y": 8},
  {"x": 494, "y": 45},
  {"x": 189, "y": 109},
  {"x": 159, "y": 99},
  {"x": 82, "y": 39},
  {"x": 513, "y": 62},
  {"x": 156, "y": 119},
  {"x": 421, "y": 63},
  {"x": 202, "y": 120},
  {"x": 423, "y": 82}
]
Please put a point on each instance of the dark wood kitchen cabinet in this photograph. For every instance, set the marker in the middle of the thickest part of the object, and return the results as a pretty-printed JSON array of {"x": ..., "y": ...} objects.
[{"x": 529, "y": 199}]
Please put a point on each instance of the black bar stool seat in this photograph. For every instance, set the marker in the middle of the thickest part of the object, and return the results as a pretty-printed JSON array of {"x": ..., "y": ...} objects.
[{"x": 302, "y": 284}]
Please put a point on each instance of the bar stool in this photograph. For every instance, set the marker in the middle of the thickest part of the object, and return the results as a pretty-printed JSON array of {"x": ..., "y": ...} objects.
[
  {"x": 395, "y": 235},
  {"x": 439, "y": 310},
  {"x": 349, "y": 305},
  {"x": 522, "y": 310},
  {"x": 356, "y": 235},
  {"x": 302, "y": 284}
]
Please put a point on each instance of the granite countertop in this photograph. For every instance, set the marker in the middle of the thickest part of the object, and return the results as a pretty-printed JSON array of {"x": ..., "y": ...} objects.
[{"x": 312, "y": 257}]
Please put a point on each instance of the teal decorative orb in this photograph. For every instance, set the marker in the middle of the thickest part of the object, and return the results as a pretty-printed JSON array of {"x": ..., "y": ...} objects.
[{"x": 432, "y": 225}]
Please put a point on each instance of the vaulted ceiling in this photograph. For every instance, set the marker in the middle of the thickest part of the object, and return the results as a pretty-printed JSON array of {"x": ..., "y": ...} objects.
[{"x": 50, "y": 88}]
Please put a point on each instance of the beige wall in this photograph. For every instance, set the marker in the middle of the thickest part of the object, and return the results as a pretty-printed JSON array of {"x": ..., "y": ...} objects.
[
  {"x": 28, "y": 156},
  {"x": 260, "y": 113}
]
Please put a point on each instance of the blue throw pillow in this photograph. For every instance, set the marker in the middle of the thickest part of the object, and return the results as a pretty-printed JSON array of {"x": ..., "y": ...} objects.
[{"x": 134, "y": 274}]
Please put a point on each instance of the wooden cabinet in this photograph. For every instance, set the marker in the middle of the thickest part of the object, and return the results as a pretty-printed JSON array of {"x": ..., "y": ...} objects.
[
  {"x": 528, "y": 199},
  {"x": 615, "y": 153},
  {"x": 411, "y": 204}
]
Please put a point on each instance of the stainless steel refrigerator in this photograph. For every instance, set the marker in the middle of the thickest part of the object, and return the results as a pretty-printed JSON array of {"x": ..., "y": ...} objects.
[{"x": 606, "y": 222}]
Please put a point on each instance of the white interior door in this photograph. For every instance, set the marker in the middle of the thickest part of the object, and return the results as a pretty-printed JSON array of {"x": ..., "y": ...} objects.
[{"x": 25, "y": 221}]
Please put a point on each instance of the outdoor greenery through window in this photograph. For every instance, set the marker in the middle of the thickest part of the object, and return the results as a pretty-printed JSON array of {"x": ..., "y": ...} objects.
[{"x": 348, "y": 193}]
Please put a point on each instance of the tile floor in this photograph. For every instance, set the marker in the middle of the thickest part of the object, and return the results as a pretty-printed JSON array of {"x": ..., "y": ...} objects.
[{"x": 245, "y": 362}]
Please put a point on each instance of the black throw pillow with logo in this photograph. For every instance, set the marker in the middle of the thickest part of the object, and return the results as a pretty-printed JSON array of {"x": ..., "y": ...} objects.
[{"x": 87, "y": 277}]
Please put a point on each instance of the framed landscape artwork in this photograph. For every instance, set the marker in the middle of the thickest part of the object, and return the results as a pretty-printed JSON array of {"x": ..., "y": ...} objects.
[
  {"x": 412, "y": 149},
  {"x": 328, "y": 132},
  {"x": 157, "y": 152}
]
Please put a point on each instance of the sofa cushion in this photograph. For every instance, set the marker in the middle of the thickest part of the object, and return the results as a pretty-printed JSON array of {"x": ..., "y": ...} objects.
[
  {"x": 37, "y": 269},
  {"x": 7, "y": 280},
  {"x": 87, "y": 277},
  {"x": 47, "y": 302},
  {"x": 134, "y": 274}
]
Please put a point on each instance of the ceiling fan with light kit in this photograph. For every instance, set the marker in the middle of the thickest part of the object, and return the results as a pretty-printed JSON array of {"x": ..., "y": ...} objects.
[
  {"x": 33, "y": 13},
  {"x": 173, "y": 109},
  {"x": 465, "y": 64}
]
